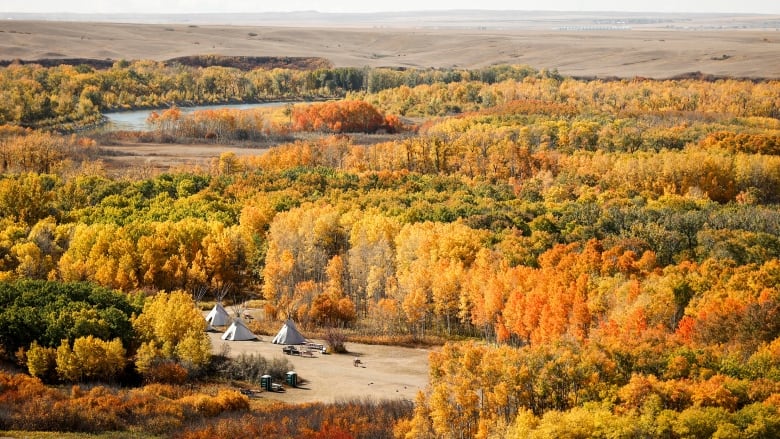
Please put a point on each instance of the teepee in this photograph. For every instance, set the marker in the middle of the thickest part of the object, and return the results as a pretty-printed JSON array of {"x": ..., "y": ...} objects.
[
  {"x": 238, "y": 331},
  {"x": 288, "y": 334},
  {"x": 218, "y": 316},
  {"x": 197, "y": 295}
]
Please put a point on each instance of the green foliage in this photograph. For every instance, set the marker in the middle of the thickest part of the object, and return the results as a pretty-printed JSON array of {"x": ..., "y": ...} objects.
[{"x": 48, "y": 312}]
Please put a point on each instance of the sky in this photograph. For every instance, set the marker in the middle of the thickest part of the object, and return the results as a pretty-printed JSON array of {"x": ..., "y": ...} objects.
[{"x": 210, "y": 6}]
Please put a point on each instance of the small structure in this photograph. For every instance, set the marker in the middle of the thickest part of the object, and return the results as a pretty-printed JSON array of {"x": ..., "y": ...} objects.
[
  {"x": 265, "y": 382},
  {"x": 238, "y": 332},
  {"x": 288, "y": 334},
  {"x": 218, "y": 316},
  {"x": 291, "y": 379}
]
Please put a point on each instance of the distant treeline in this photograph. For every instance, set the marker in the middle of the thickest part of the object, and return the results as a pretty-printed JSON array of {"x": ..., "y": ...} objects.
[{"x": 239, "y": 62}]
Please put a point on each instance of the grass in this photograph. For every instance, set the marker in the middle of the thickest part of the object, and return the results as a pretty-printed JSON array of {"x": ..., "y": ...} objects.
[{"x": 352, "y": 335}]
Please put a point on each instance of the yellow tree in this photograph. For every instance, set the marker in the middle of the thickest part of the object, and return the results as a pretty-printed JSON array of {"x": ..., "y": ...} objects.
[
  {"x": 225, "y": 255},
  {"x": 41, "y": 361},
  {"x": 370, "y": 258},
  {"x": 301, "y": 242},
  {"x": 484, "y": 292},
  {"x": 171, "y": 328},
  {"x": 446, "y": 289},
  {"x": 90, "y": 359},
  {"x": 26, "y": 197}
]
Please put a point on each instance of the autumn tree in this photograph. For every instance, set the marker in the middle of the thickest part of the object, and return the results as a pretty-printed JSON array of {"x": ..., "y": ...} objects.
[
  {"x": 90, "y": 359},
  {"x": 171, "y": 328}
]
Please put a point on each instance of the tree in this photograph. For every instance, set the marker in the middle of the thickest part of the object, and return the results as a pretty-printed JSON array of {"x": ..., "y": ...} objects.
[
  {"x": 90, "y": 359},
  {"x": 171, "y": 328},
  {"x": 26, "y": 198},
  {"x": 41, "y": 361}
]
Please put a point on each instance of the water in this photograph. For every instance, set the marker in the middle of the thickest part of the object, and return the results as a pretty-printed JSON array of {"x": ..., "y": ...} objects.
[{"x": 136, "y": 120}]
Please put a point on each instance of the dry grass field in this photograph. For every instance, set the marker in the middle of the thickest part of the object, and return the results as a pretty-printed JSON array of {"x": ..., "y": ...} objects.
[
  {"x": 152, "y": 158},
  {"x": 657, "y": 46}
]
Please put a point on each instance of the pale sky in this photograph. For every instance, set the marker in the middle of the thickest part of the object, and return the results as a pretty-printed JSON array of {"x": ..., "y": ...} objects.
[{"x": 203, "y": 6}]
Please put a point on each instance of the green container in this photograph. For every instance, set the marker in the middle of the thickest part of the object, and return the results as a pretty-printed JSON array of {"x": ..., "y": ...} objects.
[
  {"x": 292, "y": 379},
  {"x": 265, "y": 382}
]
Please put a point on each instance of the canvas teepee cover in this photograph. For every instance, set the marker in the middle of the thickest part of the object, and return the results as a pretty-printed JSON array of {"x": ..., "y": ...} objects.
[
  {"x": 218, "y": 316},
  {"x": 288, "y": 334},
  {"x": 238, "y": 332}
]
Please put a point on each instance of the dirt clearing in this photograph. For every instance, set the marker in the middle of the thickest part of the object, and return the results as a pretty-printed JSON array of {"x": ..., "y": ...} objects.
[
  {"x": 385, "y": 372},
  {"x": 165, "y": 156}
]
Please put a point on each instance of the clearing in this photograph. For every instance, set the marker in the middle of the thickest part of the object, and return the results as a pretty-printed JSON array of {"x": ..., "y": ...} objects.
[{"x": 386, "y": 372}]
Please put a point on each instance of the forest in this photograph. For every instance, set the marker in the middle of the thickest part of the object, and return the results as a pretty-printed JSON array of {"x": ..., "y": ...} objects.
[{"x": 599, "y": 258}]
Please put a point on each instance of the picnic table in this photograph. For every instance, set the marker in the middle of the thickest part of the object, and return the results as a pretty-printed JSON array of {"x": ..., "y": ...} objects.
[
  {"x": 291, "y": 350},
  {"x": 295, "y": 350}
]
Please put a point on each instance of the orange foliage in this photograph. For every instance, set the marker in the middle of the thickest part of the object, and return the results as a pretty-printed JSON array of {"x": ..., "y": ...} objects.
[
  {"x": 29, "y": 405},
  {"x": 743, "y": 142},
  {"x": 342, "y": 117}
]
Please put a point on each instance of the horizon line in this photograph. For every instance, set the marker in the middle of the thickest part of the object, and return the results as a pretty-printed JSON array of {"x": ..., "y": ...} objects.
[{"x": 405, "y": 11}]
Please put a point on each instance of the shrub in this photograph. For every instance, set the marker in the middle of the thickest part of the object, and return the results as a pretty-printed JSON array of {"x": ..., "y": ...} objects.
[
  {"x": 210, "y": 406},
  {"x": 41, "y": 362},
  {"x": 250, "y": 367},
  {"x": 335, "y": 340},
  {"x": 166, "y": 371}
]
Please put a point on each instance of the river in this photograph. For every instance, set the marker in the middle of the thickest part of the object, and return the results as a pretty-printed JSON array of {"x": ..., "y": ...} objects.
[{"x": 136, "y": 120}]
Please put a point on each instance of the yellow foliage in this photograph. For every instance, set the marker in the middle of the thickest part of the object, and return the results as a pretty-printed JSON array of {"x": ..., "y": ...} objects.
[
  {"x": 41, "y": 360},
  {"x": 91, "y": 359},
  {"x": 171, "y": 327}
]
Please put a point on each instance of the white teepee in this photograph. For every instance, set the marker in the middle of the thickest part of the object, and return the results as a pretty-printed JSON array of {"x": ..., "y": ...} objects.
[
  {"x": 238, "y": 332},
  {"x": 218, "y": 316},
  {"x": 288, "y": 334}
]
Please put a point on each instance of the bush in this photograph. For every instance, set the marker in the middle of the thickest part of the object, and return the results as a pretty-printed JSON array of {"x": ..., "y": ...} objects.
[
  {"x": 166, "y": 371},
  {"x": 41, "y": 362},
  {"x": 335, "y": 340},
  {"x": 250, "y": 367}
]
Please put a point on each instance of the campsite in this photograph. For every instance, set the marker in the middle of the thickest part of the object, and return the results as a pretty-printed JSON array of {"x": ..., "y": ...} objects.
[
  {"x": 388, "y": 372},
  {"x": 383, "y": 372}
]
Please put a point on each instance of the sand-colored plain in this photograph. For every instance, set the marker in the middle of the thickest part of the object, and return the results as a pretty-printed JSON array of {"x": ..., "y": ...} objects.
[{"x": 647, "y": 51}]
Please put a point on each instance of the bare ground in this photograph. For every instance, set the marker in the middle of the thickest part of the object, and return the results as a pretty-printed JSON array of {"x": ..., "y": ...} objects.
[
  {"x": 162, "y": 157},
  {"x": 709, "y": 45},
  {"x": 386, "y": 372}
]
